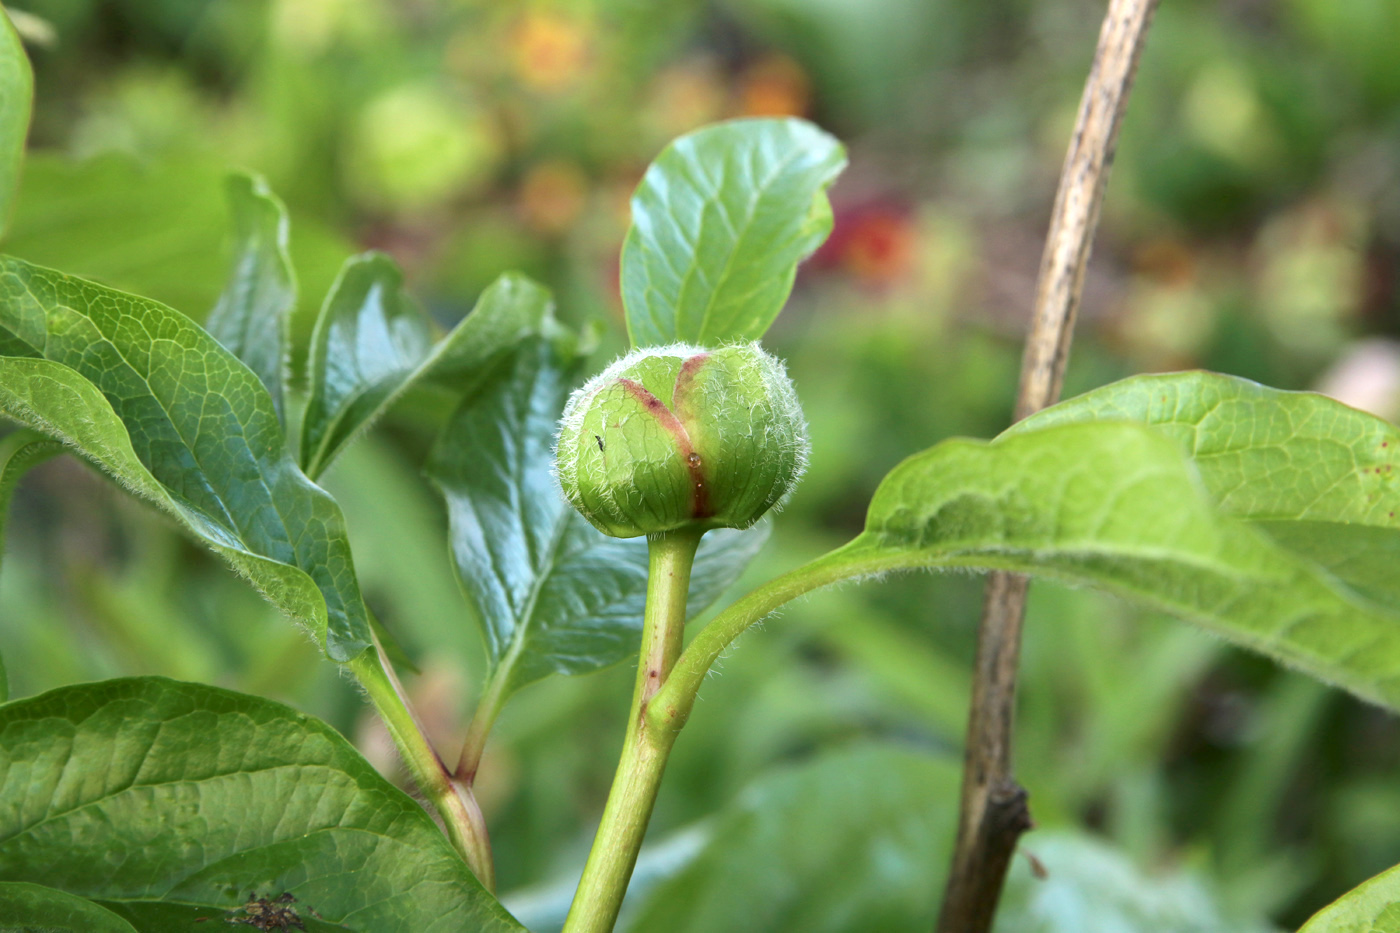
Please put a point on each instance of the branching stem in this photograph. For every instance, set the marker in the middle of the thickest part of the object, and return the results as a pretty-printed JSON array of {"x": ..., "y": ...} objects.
[
  {"x": 671, "y": 707},
  {"x": 454, "y": 802},
  {"x": 645, "y": 748}
]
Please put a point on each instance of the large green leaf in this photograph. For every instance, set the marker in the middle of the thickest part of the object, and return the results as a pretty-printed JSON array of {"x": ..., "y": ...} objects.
[
  {"x": 1373, "y": 907},
  {"x": 31, "y": 908},
  {"x": 855, "y": 840},
  {"x": 1118, "y": 506},
  {"x": 1318, "y": 476},
  {"x": 252, "y": 318},
  {"x": 372, "y": 343},
  {"x": 19, "y": 451},
  {"x": 1112, "y": 505},
  {"x": 16, "y": 98},
  {"x": 554, "y": 594},
  {"x": 1087, "y": 886},
  {"x": 144, "y": 790},
  {"x": 141, "y": 391},
  {"x": 719, "y": 224}
]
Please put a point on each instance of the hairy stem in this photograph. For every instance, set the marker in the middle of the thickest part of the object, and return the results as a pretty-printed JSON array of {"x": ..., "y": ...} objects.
[
  {"x": 672, "y": 704},
  {"x": 454, "y": 802},
  {"x": 993, "y": 811},
  {"x": 645, "y": 748}
]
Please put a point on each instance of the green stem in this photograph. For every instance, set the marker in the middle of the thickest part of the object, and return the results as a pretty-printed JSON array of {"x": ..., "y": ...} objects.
[
  {"x": 645, "y": 749},
  {"x": 492, "y": 699},
  {"x": 454, "y": 803},
  {"x": 672, "y": 704}
]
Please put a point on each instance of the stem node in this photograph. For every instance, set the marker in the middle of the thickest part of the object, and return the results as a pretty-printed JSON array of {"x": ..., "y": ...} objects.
[{"x": 452, "y": 799}]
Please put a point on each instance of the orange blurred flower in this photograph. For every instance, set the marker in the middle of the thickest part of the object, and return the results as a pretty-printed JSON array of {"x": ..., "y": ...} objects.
[
  {"x": 775, "y": 86},
  {"x": 552, "y": 195}
]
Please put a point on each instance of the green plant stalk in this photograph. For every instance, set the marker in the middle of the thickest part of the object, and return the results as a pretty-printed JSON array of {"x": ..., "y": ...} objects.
[
  {"x": 645, "y": 748},
  {"x": 672, "y": 705},
  {"x": 455, "y": 804},
  {"x": 856, "y": 560},
  {"x": 492, "y": 699}
]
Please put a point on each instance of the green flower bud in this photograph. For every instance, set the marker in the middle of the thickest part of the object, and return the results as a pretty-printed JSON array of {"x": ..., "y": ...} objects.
[{"x": 682, "y": 437}]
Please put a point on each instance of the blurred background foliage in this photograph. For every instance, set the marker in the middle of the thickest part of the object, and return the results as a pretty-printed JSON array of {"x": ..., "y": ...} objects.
[{"x": 1252, "y": 226}]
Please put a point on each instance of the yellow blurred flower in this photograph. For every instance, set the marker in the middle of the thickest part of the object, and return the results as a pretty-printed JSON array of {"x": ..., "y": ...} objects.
[
  {"x": 549, "y": 51},
  {"x": 685, "y": 95}
]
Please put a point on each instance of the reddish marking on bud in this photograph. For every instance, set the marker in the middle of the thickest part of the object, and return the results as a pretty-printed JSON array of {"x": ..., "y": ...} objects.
[
  {"x": 699, "y": 503},
  {"x": 680, "y": 395}
]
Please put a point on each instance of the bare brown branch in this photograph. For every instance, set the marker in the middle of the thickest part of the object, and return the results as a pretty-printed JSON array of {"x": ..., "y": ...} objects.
[{"x": 994, "y": 811}]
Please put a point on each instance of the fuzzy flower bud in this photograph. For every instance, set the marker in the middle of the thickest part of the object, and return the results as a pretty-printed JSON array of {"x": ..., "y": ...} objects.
[{"x": 682, "y": 437}]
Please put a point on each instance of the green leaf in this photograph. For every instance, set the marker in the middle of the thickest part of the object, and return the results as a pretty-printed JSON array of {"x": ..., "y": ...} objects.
[
  {"x": 719, "y": 224},
  {"x": 16, "y": 99},
  {"x": 1318, "y": 476},
  {"x": 252, "y": 318},
  {"x": 554, "y": 594},
  {"x": 1372, "y": 907},
  {"x": 372, "y": 343},
  {"x": 141, "y": 391},
  {"x": 512, "y": 307},
  {"x": 1113, "y": 505},
  {"x": 1090, "y": 887},
  {"x": 18, "y": 452},
  {"x": 368, "y": 338},
  {"x": 855, "y": 840},
  {"x": 1118, "y": 506},
  {"x": 145, "y": 789},
  {"x": 31, "y": 908}
]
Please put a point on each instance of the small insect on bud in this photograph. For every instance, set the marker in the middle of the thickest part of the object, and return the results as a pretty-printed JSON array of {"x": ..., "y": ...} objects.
[{"x": 682, "y": 437}]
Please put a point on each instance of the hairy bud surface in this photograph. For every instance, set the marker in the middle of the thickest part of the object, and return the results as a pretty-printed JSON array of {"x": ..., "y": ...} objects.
[{"x": 682, "y": 437}]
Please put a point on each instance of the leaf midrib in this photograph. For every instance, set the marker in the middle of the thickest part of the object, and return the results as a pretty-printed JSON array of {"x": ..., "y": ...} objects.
[
  {"x": 526, "y": 620},
  {"x": 740, "y": 232}
]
